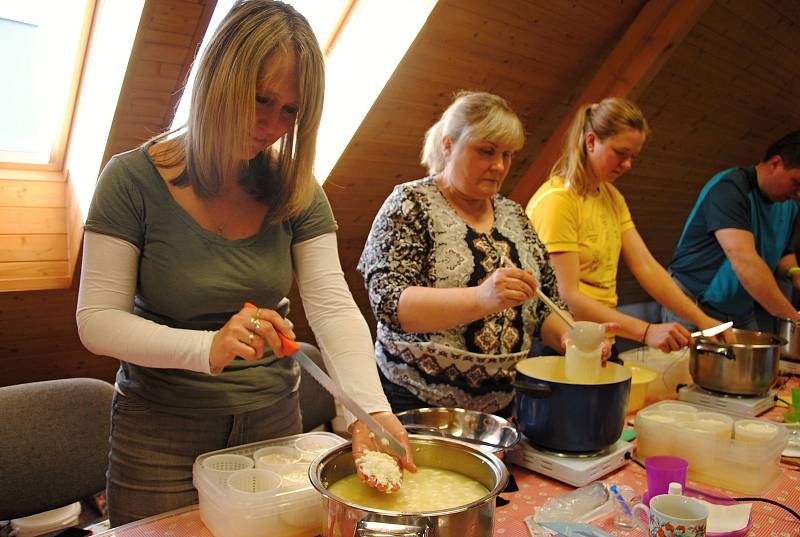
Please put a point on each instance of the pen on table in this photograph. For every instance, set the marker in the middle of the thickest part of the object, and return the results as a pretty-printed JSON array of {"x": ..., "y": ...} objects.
[{"x": 625, "y": 507}]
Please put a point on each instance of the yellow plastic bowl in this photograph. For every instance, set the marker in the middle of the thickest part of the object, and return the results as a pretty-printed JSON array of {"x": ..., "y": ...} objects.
[{"x": 641, "y": 376}]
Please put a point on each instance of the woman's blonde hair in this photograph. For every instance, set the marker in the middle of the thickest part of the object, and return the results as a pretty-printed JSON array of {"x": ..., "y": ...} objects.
[
  {"x": 473, "y": 115},
  {"x": 607, "y": 118},
  {"x": 222, "y": 112}
]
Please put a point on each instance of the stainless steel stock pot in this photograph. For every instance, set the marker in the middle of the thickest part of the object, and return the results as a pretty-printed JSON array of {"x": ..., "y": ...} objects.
[
  {"x": 475, "y": 519},
  {"x": 747, "y": 367},
  {"x": 789, "y": 329}
]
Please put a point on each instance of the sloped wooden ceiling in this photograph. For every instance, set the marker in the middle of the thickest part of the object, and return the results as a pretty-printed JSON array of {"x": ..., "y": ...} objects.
[{"x": 728, "y": 89}]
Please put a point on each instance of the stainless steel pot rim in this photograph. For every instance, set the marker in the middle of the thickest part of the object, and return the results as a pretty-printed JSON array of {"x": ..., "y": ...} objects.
[
  {"x": 313, "y": 474},
  {"x": 778, "y": 341}
]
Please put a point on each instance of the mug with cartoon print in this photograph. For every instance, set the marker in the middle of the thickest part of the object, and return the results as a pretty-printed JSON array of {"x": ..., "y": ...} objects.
[{"x": 673, "y": 515}]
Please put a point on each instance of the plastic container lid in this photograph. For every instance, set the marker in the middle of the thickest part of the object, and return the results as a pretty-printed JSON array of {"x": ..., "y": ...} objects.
[{"x": 46, "y": 522}]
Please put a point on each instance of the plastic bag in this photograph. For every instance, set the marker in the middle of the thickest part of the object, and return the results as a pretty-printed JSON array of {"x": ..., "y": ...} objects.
[{"x": 582, "y": 505}]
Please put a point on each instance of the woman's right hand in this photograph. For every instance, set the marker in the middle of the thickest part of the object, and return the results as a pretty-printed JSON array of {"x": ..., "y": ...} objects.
[
  {"x": 667, "y": 337},
  {"x": 246, "y": 334},
  {"x": 506, "y": 288}
]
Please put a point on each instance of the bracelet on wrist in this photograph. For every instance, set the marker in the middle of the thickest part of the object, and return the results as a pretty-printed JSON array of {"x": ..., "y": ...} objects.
[
  {"x": 791, "y": 271},
  {"x": 644, "y": 336}
]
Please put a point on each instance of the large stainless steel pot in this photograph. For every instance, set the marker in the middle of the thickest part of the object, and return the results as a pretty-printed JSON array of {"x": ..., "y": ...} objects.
[
  {"x": 789, "y": 329},
  {"x": 562, "y": 415},
  {"x": 747, "y": 367},
  {"x": 471, "y": 520}
]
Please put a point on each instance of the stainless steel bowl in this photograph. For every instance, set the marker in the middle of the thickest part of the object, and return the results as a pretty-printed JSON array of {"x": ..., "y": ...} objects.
[{"x": 488, "y": 432}]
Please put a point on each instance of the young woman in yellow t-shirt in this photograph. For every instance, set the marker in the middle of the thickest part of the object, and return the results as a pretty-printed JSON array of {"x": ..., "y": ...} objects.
[{"x": 585, "y": 223}]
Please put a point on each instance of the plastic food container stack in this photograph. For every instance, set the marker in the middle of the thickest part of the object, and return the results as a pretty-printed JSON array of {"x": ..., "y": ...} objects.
[
  {"x": 736, "y": 453},
  {"x": 262, "y": 489},
  {"x": 672, "y": 369}
]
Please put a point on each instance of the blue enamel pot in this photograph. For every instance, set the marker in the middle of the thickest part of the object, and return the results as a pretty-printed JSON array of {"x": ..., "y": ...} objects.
[{"x": 561, "y": 415}]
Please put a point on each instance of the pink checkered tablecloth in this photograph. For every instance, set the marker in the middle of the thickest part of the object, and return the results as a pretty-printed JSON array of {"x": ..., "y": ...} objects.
[{"x": 534, "y": 490}]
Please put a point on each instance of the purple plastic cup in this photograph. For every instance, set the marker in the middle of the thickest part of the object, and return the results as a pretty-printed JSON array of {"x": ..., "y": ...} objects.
[{"x": 663, "y": 470}]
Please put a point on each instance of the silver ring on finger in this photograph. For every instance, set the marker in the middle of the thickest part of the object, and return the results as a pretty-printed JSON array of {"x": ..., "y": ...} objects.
[{"x": 250, "y": 337}]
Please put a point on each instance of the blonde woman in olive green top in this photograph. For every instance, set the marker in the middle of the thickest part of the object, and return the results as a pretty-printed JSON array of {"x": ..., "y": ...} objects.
[{"x": 187, "y": 228}]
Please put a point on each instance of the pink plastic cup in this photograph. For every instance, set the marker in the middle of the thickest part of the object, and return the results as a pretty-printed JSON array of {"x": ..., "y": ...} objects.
[{"x": 661, "y": 471}]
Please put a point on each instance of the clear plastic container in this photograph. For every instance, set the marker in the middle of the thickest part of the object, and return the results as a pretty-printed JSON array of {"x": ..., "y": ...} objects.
[
  {"x": 219, "y": 468},
  {"x": 256, "y": 502},
  {"x": 312, "y": 446},
  {"x": 716, "y": 457},
  {"x": 272, "y": 455},
  {"x": 651, "y": 420},
  {"x": 755, "y": 431},
  {"x": 672, "y": 369}
]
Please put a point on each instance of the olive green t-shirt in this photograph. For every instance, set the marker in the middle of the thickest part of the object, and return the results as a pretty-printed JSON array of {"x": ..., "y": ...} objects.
[{"x": 191, "y": 278}]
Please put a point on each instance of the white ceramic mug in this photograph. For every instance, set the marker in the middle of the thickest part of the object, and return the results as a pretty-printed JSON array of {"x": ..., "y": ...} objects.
[{"x": 672, "y": 515}]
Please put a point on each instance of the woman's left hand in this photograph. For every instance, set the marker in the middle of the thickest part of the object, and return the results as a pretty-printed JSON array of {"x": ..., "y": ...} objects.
[
  {"x": 363, "y": 441},
  {"x": 605, "y": 352}
]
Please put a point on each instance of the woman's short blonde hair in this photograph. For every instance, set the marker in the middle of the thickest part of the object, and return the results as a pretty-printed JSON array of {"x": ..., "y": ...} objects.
[
  {"x": 473, "y": 115},
  {"x": 607, "y": 118},
  {"x": 222, "y": 112}
]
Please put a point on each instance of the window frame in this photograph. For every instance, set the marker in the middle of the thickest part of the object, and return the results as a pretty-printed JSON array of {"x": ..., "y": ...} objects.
[{"x": 12, "y": 163}]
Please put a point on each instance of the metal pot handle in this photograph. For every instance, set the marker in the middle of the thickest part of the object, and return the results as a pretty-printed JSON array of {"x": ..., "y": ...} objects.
[
  {"x": 368, "y": 528},
  {"x": 714, "y": 348},
  {"x": 532, "y": 389}
]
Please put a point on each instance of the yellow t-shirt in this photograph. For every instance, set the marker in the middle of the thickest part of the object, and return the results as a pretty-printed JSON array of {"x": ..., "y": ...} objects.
[{"x": 591, "y": 225}]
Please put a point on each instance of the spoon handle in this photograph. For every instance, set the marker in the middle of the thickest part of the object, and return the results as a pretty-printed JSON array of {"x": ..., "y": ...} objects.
[
  {"x": 506, "y": 262},
  {"x": 555, "y": 309}
]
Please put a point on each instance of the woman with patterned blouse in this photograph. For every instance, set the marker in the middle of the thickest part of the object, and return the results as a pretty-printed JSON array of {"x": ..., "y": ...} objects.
[{"x": 451, "y": 267}]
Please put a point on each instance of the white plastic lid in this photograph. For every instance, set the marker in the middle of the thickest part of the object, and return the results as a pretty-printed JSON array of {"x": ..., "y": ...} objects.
[
  {"x": 675, "y": 488},
  {"x": 48, "y": 521}
]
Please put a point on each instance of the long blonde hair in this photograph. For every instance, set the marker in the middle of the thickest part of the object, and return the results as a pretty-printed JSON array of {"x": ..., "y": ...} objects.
[
  {"x": 607, "y": 118},
  {"x": 222, "y": 110},
  {"x": 473, "y": 115}
]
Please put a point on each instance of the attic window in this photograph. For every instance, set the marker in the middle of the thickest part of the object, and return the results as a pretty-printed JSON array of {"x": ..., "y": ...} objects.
[
  {"x": 363, "y": 41},
  {"x": 41, "y": 60}
]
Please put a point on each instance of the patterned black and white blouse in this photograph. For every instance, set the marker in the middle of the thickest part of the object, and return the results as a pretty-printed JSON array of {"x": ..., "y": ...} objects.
[{"x": 417, "y": 239}]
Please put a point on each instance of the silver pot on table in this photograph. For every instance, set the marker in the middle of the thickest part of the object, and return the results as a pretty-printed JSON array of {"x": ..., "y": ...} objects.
[
  {"x": 475, "y": 519},
  {"x": 789, "y": 329},
  {"x": 747, "y": 367}
]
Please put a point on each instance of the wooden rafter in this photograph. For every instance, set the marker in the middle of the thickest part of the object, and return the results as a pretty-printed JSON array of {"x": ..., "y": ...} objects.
[{"x": 647, "y": 44}]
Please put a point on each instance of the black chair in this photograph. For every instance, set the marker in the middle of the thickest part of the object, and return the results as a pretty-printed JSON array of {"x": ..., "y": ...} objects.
[
  {"x": 54, "y": 445},
  {"x": 316, "y": 403}
]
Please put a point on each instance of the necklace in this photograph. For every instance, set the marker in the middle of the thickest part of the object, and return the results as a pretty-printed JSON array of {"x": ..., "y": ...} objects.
[{"x": 219, "y": 225}]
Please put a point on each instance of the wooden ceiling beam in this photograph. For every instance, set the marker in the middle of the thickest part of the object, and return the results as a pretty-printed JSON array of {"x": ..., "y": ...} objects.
[
  {"x": 638, "y": 56},
  {"x": 169, "y": 34}
]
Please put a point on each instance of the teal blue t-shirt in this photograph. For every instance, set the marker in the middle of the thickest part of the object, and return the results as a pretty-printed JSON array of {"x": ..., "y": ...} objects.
[
  {"x": 192, "y": 278},
  {"x": 731, "y": 199}
]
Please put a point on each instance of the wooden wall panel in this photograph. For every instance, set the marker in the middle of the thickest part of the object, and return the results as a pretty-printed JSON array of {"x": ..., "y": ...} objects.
[{"x": 39, "y": 339}]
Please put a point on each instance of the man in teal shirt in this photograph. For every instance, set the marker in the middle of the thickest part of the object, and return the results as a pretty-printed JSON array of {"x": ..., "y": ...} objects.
[{"x": 737, "y": 239}]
